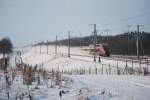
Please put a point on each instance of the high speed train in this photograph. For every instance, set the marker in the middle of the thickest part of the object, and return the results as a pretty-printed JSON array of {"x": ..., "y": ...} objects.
[{"x": 101, "y": 49}]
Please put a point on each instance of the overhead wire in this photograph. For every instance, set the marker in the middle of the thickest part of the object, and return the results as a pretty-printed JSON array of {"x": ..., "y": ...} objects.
[{"x": 126, "y": 19}]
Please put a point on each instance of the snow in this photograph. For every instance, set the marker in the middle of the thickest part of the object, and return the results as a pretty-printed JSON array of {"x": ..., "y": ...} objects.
[
  {"x": 116, "y": 87},
  {"x": 61, "y": 62},
  {"x": 82, "y": 87},
  {"x": 62, "y": 51},
  {"x": 92, "y": 87}
]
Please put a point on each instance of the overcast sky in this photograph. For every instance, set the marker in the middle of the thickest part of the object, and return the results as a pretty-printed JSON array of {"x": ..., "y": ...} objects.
[{"x": 30, "y": 21}]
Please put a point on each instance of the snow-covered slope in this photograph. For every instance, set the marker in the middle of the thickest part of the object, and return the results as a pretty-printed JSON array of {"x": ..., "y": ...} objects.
[{"x": 88, "y": 87}]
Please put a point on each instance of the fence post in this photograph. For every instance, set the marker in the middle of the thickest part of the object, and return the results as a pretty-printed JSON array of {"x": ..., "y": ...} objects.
[
  {"x": 62, "y": 71},
  {"x": 89, "y": 70},
  {"x": 140, "y": 65},
  {"x": 77, "y": 71},
  {"x": 147, "y": 63},
  {"x": 84, "y": 70},
  {"x": 96, "y": 70},
  {"x": 132, "y": 65},
  {"x": 109, "y": 70},
  {"x": 102, "y": 68},
  {"x": 71, "y": 71},
  {"x": 125, "y": 70},
  {"x": 106, "y": 71},
  {"x": 118, "y": 71},
  {"x": 126, "y": 67}
]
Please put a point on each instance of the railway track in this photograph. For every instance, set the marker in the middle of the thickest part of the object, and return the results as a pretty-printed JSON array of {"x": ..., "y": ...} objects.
[{"x": 115, "y": 58}]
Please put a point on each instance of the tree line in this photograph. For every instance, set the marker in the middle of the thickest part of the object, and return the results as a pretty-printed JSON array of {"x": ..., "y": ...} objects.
[{"x": 122, "y": 44}]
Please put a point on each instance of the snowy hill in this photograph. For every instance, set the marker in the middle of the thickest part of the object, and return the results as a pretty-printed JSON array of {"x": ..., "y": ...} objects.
[
  {"x": 88, "y": 87},
  {"x": 79, "y": 77}
]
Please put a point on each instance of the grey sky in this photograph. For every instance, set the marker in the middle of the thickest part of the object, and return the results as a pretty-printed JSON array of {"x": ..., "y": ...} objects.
[{"x": 30, "y": 21}]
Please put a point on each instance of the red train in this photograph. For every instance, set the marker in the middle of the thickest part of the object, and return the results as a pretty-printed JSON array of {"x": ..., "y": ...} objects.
[{"x": 101, "y": 49}]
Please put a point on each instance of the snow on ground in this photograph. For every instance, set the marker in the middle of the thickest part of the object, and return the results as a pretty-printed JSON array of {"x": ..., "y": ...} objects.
[
  {"x": 34, "y": 58},
  {"x": 102, "y": 87},
  {"x": 62, "y": 62},
  {"x": 114, "y": 87},
  {"x": 87, "y": 87}
]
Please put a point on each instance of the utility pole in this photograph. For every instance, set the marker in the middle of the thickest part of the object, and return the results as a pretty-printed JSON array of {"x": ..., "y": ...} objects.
[
  {"x": 56, "y": 46},
  {"x": 40, "y": 48},
  {"x": 69, "y": 44},
  {"x": 128, "y": 26},
  {"x": 107, "y": 30},
  {"x": 80, "y": 41},
  {"x": 95, "y": 40},
  {"x": 47, "y": 47},
  {"x": 34, "y": 48},
  {"x": 137, "y": 41}
]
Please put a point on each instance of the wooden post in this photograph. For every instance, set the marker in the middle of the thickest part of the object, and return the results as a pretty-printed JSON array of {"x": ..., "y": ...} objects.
[
  {"x": 140, "y": 65},
  {"x": 102, "y": 68},
  {"x": 126, "y": 68},
  {"x": 118, "y": 72},
  {"x": 106, "y": 71},
  {"x": 89, "y": 70},
  {"x": 96, "y": 70},
  {"x": 40, "y": 49},
  {"x": 69, "y": 43},
  {"x": 84, "y": 71},
  {"x": 132, "y": 65},
  {"x": 109, "y": 70},
  {"x": 147, "y": 63},
  {"x": 99, "y": 60},
  {"x": 47, "y": 48},
  {"x": 56, "y": 47}
]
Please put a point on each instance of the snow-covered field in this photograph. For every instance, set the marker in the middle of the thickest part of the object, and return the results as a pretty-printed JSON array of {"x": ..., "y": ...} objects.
[
  {"x": 62, "y": 62},
  {"x": 93, "y": 87},
  {"x": 83, "y": 87},
  {"x": 103, "y": 87}
]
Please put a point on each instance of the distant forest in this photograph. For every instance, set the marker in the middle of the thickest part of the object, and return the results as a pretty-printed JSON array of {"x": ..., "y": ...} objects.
[{"x": 122, "y": 44}]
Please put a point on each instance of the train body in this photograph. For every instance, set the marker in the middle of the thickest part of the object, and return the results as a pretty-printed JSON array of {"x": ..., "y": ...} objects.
[{"x": 101, "y": 49}]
